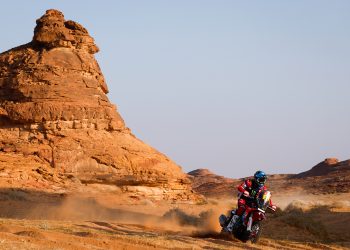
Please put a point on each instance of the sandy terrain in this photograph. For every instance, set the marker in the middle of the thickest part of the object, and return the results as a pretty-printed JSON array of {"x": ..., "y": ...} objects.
[
  {"x": 44, "y": 234},
  {"x": 34, "y": 220}
]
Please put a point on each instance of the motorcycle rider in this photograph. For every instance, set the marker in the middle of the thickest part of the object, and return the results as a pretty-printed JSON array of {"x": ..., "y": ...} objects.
[{"x": 249, "y": 189}]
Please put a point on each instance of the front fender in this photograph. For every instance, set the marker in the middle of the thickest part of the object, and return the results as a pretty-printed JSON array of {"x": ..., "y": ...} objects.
[{"x": 258, "y": 216}]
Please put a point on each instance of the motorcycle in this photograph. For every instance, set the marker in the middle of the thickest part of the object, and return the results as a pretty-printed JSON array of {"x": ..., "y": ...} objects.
[{"x": 251, "y": 227}]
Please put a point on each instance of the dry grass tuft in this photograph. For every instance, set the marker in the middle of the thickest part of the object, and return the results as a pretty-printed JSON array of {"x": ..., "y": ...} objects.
[{"x": 296, "y": 217}]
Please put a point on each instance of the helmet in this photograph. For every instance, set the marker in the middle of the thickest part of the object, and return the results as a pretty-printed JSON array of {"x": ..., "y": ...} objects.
[{"x": 260, "y": 178}]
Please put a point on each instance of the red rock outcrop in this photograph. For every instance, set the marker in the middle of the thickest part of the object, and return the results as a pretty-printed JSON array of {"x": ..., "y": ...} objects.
[
  {"x": 56, "y": 120},
  {"x": 212, "y": 185},
  {"x": 325, "y": 167},
  {"x": 330, "y": 176}
]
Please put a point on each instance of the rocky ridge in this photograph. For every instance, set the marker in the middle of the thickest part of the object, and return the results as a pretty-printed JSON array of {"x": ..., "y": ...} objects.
[
  {"x": 330, "y": 176},
  {"x": 211, "y": 185},
  {"x": 326, "y": 167},
  {"x": 58, "y": 128}
]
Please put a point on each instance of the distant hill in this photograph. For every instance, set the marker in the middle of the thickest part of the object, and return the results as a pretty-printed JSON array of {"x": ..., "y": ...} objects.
[
  {"x": 327, "y": 177},
  {"x": 212, "y": 185},
  {"x": 329, "y": 166}
]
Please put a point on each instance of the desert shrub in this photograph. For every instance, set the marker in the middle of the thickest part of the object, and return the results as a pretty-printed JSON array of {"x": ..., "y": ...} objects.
[
  {"x": 304, "y": 220},
  {"x": 320, "y": 209},
  {"x": 277, "y": 213},
  {"x": 181, "y": 217},
  {"x": 15, "y": 194}
]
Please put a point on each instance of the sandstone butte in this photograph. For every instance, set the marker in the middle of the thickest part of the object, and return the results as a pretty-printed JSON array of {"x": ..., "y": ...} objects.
[{"x": 59, "y": 131}]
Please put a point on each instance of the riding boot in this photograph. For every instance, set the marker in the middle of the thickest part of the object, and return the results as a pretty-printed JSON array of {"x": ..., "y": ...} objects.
[
  {"x": 232, "y": 222},
  {"x": 232, "y": 213}
]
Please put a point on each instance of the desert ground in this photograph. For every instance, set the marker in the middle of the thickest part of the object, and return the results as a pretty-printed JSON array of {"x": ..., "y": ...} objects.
[{"x": 38, "y": 220}]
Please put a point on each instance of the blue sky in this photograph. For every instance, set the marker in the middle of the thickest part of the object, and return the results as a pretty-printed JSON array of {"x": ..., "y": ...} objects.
[{"x": 233, "y": 86}]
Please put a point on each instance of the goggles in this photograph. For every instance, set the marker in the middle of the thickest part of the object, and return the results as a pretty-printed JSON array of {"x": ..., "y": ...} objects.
[{"x": 261, "y": 180}]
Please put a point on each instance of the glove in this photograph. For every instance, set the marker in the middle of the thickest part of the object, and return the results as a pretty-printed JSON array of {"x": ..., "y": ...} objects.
[
  {"x": 273, "y": 208},
  {"x": 246, "y": 193}
]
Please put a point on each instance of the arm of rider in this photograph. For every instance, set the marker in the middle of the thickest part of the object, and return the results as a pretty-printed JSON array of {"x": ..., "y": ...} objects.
[
  {"x": 242, "y": 188},
  {"x": 246, "y": 193},
  {"x": 272, "y": 207}
]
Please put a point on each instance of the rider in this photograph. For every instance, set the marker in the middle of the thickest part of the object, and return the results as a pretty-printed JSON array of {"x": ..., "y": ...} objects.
[{"x": 251, "y": 189}]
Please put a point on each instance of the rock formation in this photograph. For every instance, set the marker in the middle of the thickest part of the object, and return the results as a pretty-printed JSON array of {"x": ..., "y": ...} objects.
[
  {"x": 211, "y": 185},
  {"x": 325, "y": 167},
  {"x": 330, "y": 176},
  {"x": 57, "y": 126}
]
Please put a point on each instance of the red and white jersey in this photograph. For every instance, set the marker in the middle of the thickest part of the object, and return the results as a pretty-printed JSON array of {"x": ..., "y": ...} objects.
[{"x": 253, "y": 190}]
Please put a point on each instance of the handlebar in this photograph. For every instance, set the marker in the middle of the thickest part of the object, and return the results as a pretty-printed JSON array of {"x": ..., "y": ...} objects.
[
  {"x": 253, "y": 202},
  {"x": 272, "y": 209}
]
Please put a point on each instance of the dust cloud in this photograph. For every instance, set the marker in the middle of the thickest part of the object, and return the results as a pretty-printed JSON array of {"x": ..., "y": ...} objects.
[
  {"x": 201, "y": 220},
  {"x": 177, "y": 219}
]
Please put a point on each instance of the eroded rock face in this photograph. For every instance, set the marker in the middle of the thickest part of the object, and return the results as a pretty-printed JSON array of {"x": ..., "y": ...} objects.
[{"x": 54, "y": 111}]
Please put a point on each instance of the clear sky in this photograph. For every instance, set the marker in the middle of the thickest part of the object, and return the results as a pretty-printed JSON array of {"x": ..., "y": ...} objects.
[{"x": 232, "y": 86}]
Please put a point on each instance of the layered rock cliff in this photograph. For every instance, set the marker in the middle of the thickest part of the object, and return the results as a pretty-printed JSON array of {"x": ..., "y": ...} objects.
[{"x": 57, "y": 126}]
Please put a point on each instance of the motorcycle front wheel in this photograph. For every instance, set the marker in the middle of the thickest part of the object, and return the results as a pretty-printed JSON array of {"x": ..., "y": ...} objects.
[{"x": 256, "y": 231}]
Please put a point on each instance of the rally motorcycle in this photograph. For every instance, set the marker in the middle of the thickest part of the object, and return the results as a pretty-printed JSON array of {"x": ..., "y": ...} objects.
[{"x": 250, "y": 228}]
